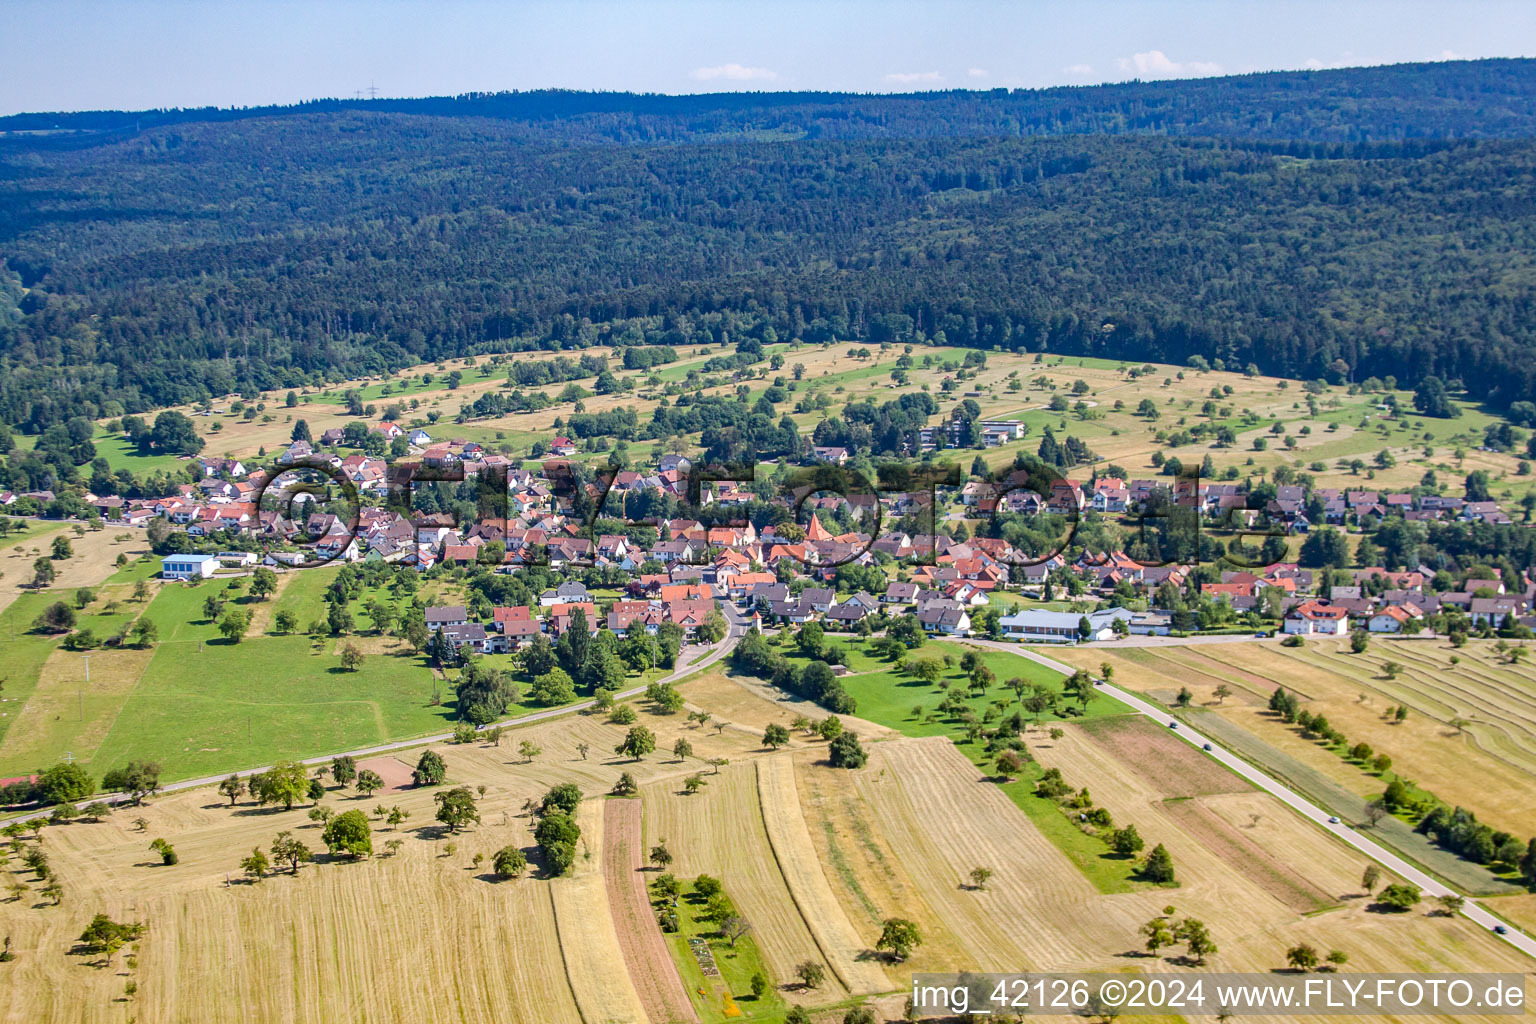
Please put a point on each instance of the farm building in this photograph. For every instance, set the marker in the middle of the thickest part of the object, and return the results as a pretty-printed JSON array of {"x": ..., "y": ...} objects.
[{"x": 1061, "y": 627}]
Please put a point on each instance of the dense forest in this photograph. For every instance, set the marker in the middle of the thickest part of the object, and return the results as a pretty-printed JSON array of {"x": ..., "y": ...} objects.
[{"x": 216, "y": 253}]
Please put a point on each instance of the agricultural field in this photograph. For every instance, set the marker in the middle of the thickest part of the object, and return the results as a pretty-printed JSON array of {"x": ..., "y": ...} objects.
[
  {"x": 1469, "y": 736},
  {"x": 814, "y": 858}
]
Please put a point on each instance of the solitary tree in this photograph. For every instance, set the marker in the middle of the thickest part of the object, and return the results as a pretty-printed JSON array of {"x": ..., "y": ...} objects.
[
  {"x": 1158, "y": 934},
  {"x": 369, "y": 782},
  {"x": 1158, "y": 866},
  {"x": 979, "y": 877},
  {"x": 638, "y": 742},
  {"x": 344, "y": 770},
  {"x": 1371, "y": 876},
  {"x": 351, "y": 658},
  {"x": 256, "y": 864},
  {"x": 810, "y": 973},
  {"x": 288, "y": 847},
  {"x": 775, "y": 736},
  {"x": 1196, "y": 938},
  {"x": 509, "y": 862},
  {"x": 899, "y": 937},
  {"x": 349, "y": 833},
  {"x": 430, "y": 769},
  {"x": 1302, "y": 957},
  {"x": 456, "y": 808},
  {"x": 286, "y": 782},
  {"x": 1399, "y": 896}
]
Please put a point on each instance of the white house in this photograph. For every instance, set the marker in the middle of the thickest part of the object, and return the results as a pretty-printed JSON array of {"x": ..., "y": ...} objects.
[
  {"x": 418, "y": 437},
  {"x": 1317, "y": 618},
  {"x": 188, "y": 567}
]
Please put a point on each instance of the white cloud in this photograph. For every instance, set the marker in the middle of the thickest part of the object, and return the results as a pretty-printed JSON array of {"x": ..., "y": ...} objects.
[
  {"x": 1346, "y": 60},
  {"x": 1452, "y": 55},
  {"x": 977, "y": 73},
  {"x": 733, "y": 73},
  {"x": 913, "y": 77},
  {"x": 1156, "y": 64},
  {"x": 1077, "y": 69}
]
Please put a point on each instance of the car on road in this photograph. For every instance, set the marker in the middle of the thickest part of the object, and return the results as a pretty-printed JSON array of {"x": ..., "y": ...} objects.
[
  {"x": 1261, "y": 634},
  {"x": 1333, "y": 820},
  {"x": 1173, "y": 725},
  {"x": 1500, "y": 930},
  {"x": 1206, "y": 747}
]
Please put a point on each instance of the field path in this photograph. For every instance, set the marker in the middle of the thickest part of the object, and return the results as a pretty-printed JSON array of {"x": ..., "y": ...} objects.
[
  {"x": 653, "y": 975},
  {"x": 792, "y": 847},
  {"x": 589, "y": 944}
]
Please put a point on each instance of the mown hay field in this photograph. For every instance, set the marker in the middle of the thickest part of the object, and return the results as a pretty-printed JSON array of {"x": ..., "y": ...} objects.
[{"x": 1488, "y": 764}]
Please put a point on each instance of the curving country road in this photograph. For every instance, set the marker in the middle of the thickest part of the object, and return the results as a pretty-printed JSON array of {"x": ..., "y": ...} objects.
[
  {"x": 736, "y": 628},
  {"x": 1472, "y": 910}
]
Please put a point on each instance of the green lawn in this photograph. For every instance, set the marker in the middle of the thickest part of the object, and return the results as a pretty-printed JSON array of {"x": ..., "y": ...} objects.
[
  {"x": 222, "y": 706},
  {"x": 888, "y": 697},
  {"x": 23, "y": 653},
  {"x": 736, "y": 963},
  {"x": 146, "y": 567}
]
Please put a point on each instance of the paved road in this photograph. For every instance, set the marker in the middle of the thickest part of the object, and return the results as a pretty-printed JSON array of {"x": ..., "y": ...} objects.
[
  {"x": 1431, "y": 886},
  {"x": 737, "y": 628}
]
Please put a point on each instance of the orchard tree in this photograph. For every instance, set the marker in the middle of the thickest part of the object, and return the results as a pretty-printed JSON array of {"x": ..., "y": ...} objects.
[
  {"x": 430, "y": 769},
  {"x": 232, "y": 787},
  {"x": 287, "y": 847},
  {"x": 369, "y": 782},
  {"x": 456, "y": 808},
  {"x": 509, "y": 862},
  {"x": 638, "y": 742},
  {"x": 349, "y": 833},
  {"x": 899, "y": 937}
]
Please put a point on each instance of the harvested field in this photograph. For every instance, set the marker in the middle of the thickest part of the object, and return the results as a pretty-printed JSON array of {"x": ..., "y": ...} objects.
[
  {"x": 1496, "y": 699},
  {"x": 588, "y": 942},
  {"x": 942, "y": 819},
  {"x": 91, "y": 564},
  {"x": 791, "y": 841},
  {"x": 870, "y": 881},
  {"x": 1209, "y": 885},
  {"x": 1168, "y": 763},
  {"x": 414, "y": 936},
  {"x": 1249, "y": 859},
  {"x": 720, "y": 831},
  {"x": 1317, "y": 785},
  {"x": 753, "y": 705},
  {"x": 642, "y": 948}
]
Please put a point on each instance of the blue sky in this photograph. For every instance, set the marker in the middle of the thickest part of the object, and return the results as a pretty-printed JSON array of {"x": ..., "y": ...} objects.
[{"x": 74, "y": 54}]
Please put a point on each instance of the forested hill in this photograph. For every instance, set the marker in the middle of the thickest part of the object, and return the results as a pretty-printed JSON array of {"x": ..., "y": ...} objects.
[
  {"x": 193, "y": 259},
  {"x": 1452, "y": 99}
]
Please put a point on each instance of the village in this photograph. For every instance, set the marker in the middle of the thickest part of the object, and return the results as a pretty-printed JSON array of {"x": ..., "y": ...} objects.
[{"x": 678, "y": 570}]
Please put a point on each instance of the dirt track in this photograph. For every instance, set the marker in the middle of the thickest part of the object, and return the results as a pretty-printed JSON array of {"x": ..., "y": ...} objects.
[{"x": 650, "y": 964}]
